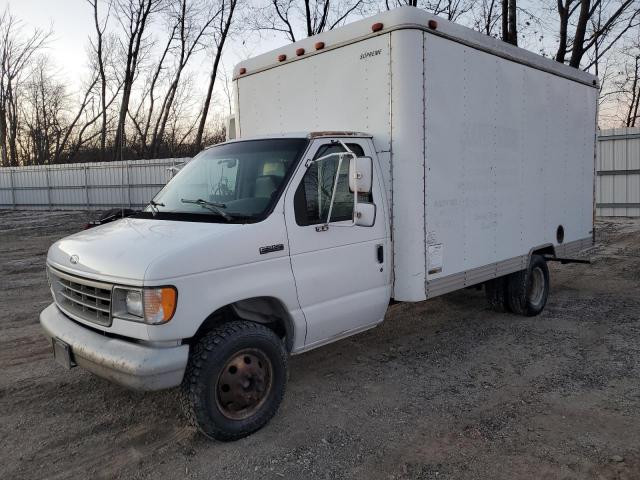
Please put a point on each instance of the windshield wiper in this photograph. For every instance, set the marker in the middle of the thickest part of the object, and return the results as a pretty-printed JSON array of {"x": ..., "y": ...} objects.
[
  {"x": 214, "y": 207},
  {"x": 154, "y": 206}
]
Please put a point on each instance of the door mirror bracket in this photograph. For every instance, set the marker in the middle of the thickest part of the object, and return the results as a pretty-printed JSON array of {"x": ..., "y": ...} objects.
[{"x": 360, "y": 181}]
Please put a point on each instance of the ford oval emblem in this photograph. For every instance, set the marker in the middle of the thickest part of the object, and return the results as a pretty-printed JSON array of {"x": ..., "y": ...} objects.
[{"x": 74, "y": 259}]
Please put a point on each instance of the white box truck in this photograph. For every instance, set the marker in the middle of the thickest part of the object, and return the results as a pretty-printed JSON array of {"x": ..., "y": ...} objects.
[{"x": 394, "y": 159}]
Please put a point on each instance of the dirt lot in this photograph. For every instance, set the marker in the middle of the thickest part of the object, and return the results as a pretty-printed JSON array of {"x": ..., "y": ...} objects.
[{"x": 444, "y": 389}]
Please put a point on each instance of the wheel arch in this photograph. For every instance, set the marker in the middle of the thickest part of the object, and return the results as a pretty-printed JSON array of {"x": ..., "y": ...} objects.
[
  {"x": 266, "y": 310},
  {"x": 545, "y": 249}
]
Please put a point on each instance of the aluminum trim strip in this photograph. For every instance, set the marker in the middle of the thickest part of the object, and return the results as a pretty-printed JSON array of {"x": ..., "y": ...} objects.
[{"x": 456, "y": 281}]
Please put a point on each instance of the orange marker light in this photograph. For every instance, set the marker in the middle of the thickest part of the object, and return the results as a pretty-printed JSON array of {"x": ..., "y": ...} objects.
[
  {"x": 319, "y": 45},
  {"x": 433, "y": 25},
  {"x": 282, "y": 58},
  {"x": 243, "y": 71},
  {"x": 376, "y": 27},
  {"x": 300, "y": 51}
]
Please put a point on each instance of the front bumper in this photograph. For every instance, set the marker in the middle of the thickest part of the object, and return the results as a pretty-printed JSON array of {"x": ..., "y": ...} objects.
[{"x": 130, "y": 364}]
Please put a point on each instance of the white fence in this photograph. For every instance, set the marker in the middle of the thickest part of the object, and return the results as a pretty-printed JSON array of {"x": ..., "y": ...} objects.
[
  {"x": 91, "y": 186},
  {"x": 618, "y": 173},
  {"x": 96, "y": 186}
]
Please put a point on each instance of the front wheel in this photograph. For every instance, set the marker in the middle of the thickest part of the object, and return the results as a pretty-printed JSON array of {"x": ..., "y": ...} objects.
[
  {"x": 235, "y": 380},
  {"x": 528, "y": 290}
]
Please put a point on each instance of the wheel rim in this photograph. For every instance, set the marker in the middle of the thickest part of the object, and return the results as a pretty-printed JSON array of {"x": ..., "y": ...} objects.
[
  {"x": 536, "y": 286},
  {"x": 244, "y": 384}
]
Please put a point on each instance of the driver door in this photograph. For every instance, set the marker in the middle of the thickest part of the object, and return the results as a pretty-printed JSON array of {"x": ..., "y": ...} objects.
[{"x": 341, "y": 272}]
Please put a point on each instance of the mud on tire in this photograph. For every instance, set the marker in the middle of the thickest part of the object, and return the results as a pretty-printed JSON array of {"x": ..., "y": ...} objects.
[{"x": 235, "y": 380}]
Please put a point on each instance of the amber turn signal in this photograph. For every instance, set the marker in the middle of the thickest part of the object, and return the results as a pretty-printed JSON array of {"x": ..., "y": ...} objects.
[{"x": 159, "y": 304}]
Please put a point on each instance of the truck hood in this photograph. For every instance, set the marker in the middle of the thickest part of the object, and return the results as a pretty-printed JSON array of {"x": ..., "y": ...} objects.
[{"x": 137, "y": 251}]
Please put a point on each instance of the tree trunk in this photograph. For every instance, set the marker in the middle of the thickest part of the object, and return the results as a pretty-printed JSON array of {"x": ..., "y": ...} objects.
[
  {"x": 505, "y": 20},
  {"x": 509, "y": 22},
  {"x": 563, "y": 13},
  {"x": 581, "y": 30},
  {"x": 3, "y": 138},
  {"x": 212, "y": 78},
  {"x": 124, "y": 107},
  {"x": 513, "y": 23},
  {"x": 632, "y": 112}
]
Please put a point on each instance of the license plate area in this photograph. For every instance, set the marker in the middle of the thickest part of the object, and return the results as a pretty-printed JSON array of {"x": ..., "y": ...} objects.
[{"x": 63, "y": 354}]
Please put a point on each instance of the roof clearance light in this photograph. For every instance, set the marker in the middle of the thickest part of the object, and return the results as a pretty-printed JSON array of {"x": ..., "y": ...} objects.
[
  {"x": 243, "y": 71},
  {"x": 319, "y": 45},
  {"x": 433, "y": 25},
  {"x": 376, "y": 27},
  {"x": 300, "y": 51},
  {"x": 282, "y": 58}
]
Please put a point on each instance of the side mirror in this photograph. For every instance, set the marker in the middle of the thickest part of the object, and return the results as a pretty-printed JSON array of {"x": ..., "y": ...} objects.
[
  {"x": 360, "y": 174},
  {"x": 231, "y": 127},
  {"x": 364, "y": 214}
]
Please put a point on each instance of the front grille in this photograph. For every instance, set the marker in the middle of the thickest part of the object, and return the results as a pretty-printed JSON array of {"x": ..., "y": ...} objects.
[{"x": 80, "y": 297}]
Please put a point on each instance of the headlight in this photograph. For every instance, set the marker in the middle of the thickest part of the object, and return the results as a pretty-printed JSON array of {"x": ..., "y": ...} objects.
[
  {"x": 149, "y": 305},
  {"x": 133, "y": 303}
]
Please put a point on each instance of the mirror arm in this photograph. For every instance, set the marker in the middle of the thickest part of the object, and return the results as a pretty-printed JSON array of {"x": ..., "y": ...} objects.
[
  {"x": 324, "y": 227},
  {"x": 335, "y": 187}
]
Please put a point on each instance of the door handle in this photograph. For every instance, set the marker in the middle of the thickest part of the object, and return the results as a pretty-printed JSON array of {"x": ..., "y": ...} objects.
[{"x": 380, "y": 253}]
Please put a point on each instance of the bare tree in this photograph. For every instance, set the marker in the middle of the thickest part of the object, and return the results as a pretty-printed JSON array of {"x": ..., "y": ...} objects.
[
  {"x": 614, "y": 17},
  {"x": 634, "y": 103},
  {"x": 98, "y": 48},
  {"x": 134, "y": 16},
  {"x": 220, "y": 36},
  {"x": 16, "y": 51},
  {"x": 42, "y": 111},
  {"x": 193, "y": 20},
  {"x": 304, "y": 18}
]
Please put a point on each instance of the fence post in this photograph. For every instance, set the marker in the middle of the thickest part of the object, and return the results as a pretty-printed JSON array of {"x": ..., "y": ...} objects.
[
  {"x": 46, "y": 176},
  {"x": 86, "y": 185},
  {"x": 129, "y": 183},
  {"x": 13, "y": 190}
]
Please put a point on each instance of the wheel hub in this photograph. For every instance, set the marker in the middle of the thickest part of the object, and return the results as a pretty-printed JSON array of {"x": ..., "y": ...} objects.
[
  {"x": 536, "y": 286},
  {"x": 243, "y": 384}
]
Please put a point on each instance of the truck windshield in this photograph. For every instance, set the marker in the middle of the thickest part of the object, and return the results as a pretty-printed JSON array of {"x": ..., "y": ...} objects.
[{"x": 237, "y": 181}]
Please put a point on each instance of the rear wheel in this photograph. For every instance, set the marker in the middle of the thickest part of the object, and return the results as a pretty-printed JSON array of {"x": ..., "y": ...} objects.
[
  {"x": 235, "y": 380},
  {"x": 528, "y": 290}
]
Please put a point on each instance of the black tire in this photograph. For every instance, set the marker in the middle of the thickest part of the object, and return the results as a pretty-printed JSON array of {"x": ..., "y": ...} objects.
[
  {"x": 496, "y": 293},
  {"x": 208, "y": 370},
  {"x": 528, "y": 290}
]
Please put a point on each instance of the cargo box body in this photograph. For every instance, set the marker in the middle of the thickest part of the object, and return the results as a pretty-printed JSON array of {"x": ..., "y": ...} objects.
[{"x": 487, "y": 150}]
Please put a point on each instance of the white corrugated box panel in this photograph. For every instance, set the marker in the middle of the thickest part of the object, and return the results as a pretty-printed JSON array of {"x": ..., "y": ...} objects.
[{"x": 509, "y": 158}]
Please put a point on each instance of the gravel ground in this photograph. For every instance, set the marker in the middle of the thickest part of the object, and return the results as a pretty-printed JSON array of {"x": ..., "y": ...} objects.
[{"x": 443, "y": 389}]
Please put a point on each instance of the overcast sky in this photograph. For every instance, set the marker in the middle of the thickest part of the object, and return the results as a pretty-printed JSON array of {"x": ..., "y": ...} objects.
[
  {"x": 70, "y": 21},
  {"x": 72, "y": 25}
]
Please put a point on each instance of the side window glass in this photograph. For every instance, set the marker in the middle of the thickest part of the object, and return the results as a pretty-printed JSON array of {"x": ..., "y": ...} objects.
[{"x": 313, "y": 196}]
